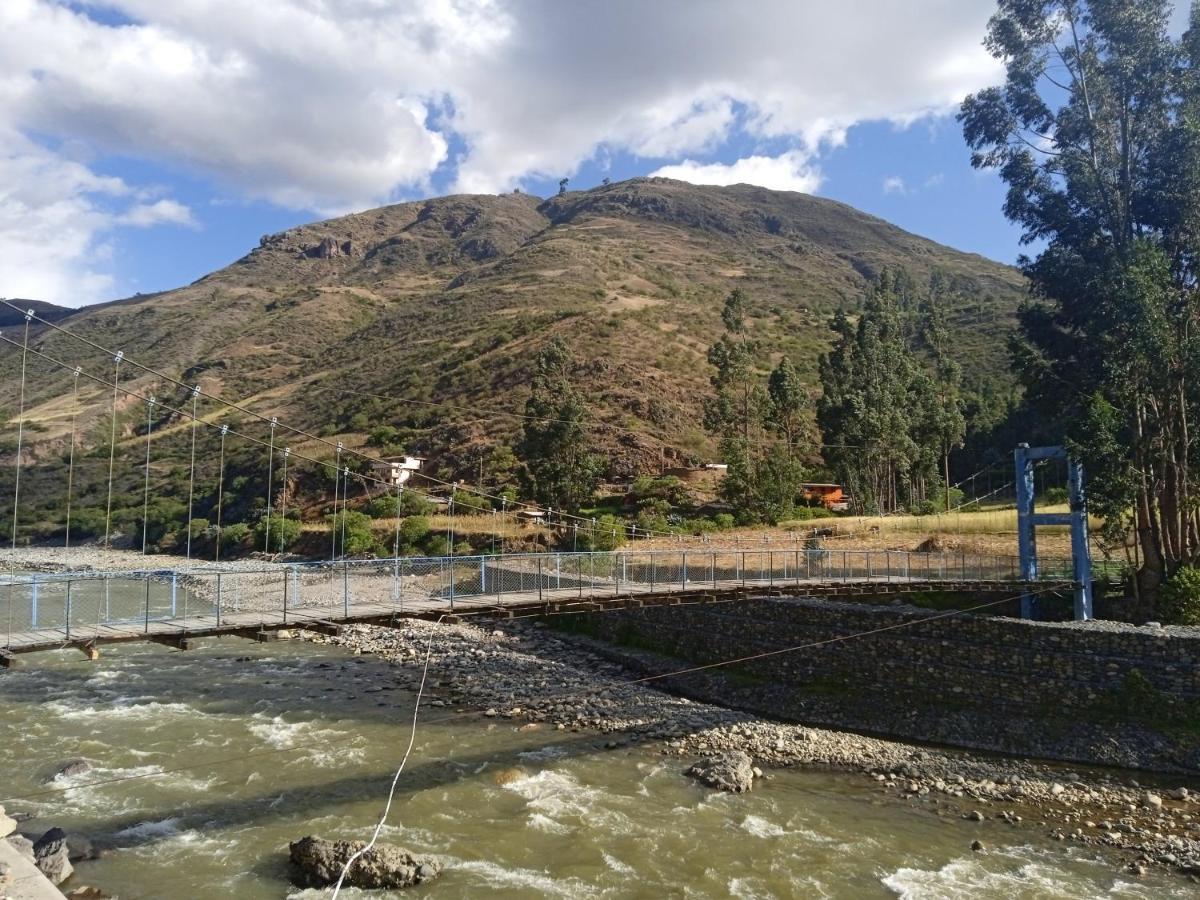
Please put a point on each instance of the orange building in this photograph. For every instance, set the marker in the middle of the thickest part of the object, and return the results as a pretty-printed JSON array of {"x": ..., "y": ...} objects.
[{"x": 831, "y": 496}]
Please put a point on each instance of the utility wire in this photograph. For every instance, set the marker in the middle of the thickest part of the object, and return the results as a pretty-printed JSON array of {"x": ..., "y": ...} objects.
[{"x": 412, "y": 738}]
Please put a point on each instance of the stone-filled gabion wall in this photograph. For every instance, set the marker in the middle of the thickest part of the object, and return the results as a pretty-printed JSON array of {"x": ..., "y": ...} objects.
[{"x": 1095, "y": 692}]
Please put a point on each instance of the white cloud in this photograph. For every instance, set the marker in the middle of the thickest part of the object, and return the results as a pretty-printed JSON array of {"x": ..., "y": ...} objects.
[
  {"x": 160, "y": 212},
  {"x": 341, "y": 104},
  {"x": 786, "y": 172},
  {"x": 894, "y": 184}
]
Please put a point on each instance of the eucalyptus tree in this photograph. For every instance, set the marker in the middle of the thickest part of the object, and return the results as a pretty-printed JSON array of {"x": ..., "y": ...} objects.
[
  {"x": 1096, "y": 131},
  {"x": 558, "y": 468}
]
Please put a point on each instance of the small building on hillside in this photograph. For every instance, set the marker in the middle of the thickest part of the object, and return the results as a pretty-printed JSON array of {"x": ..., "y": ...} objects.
[
  {"x": 397, "y": 470},
  {"x": 831, "y": 496}
]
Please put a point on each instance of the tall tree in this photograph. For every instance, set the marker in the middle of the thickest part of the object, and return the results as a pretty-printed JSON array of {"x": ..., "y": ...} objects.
[
  {"x": 559, "y": 471},
  {"x": 866, "y": 409},
  {"x": 946, "y": 420},
  {"x": 760, "y": 482},
  {"x": 1097, "y": 133}
]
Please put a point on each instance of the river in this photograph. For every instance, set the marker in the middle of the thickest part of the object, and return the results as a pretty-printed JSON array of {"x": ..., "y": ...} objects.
[{"x": 288, "y": 739}]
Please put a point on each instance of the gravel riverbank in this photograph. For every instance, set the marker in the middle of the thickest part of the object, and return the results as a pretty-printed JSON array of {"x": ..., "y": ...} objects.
[{"x": 528, "y": 674}]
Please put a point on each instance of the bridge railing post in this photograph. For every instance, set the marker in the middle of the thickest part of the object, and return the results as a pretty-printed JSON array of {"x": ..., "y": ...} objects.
[
  {"x": 346, "y": 588},
  {"x": 683, "y": 580},
  {"x": 218, "y": 599},
  {"x": 68, "y": 614}
]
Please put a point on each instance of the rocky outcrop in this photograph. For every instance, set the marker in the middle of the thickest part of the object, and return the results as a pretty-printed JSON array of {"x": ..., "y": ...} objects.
[
  {"x": 318, "y": 863},
  {"x": 733, "y": 772},
  {"x": 328, "y": 248},
  {"x": 52, "y": 855}
]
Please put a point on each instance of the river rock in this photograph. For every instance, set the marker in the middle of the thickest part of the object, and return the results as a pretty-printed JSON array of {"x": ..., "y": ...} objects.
[
  {"x": 87, "y": 892},
  {"x": 732, "y": 771},
  {"x": 1151, "y": 801},
  {"x": 70, "y": 767},
  {"x": 52, "y": 856},
  {"x": 318, "y": 863},
  {"x": 80, "y": 847}
]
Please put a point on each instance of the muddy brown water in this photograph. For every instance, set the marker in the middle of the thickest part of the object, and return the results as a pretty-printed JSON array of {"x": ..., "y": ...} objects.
[{"x": 284, "y": 740}]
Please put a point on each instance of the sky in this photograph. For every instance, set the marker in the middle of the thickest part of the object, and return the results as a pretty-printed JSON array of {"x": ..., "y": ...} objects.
[{"x": 145, "y": 143}]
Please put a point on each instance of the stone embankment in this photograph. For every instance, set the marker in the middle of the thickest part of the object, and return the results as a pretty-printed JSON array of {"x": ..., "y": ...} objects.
[{"x": 536, "y": 678}]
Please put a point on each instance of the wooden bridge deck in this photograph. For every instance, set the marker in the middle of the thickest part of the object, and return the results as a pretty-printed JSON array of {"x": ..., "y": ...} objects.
[{"x": 178, "y": 631}]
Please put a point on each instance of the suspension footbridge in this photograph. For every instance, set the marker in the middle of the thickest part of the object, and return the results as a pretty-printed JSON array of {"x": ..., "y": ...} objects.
[{"x": 43, "y": 611}]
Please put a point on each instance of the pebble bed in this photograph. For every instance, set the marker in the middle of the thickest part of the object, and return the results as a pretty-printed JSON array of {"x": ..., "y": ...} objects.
[{"x": 527, "y": 673}]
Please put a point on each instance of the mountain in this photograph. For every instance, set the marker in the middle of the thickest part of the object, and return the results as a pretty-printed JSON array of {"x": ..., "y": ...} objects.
[
  {"x": 48, "y": 311},
  {"x": 424, "y": 316}
]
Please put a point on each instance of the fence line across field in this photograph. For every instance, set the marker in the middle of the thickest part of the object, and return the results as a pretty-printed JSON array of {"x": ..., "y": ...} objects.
[{"x": 79, "y": 604}]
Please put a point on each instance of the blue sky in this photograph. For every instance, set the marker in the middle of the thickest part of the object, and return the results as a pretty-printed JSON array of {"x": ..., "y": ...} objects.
[{"x": 145, "y": 144}]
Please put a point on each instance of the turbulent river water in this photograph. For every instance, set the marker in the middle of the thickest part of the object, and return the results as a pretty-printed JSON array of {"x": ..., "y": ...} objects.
[{"x": 284, "y": 740}]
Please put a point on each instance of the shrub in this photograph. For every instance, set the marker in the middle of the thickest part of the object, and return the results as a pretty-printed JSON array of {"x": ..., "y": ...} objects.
[
  {"x": 413, "y": 530},
  {"x": 805, "y": 513},
  {"x": 385, "y": 507},
  {"x": 1055, "y": 495},
  {"x": 233, "y": 536},
  {"x": 437, "y": 546},
  {"x": 924, "y": 508},
  {"x": 412, "y": 504},
  {"x": 609, "y": 534},
  {"x": 382, "y": 436},
  {"x": 284, "y": 533},
  {"x": 724, "y": 521},
  {"x": 1179, "y": 598},
  {"x": 356, "y": 529}
]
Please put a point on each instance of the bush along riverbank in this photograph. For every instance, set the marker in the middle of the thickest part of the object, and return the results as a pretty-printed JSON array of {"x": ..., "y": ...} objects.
[{"x": 535, "y": 677}]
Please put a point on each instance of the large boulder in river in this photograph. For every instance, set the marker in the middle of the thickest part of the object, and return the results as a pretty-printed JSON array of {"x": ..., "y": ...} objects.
[
  {"x": 318, "y": 863},
  {"x": 732, "y": 771},
  {"x": 69, "y": 768},
  {"x": 52, "y": 856}
]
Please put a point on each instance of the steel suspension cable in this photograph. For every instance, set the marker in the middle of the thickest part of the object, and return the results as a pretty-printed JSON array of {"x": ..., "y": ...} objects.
[
  {"x": 220, "y": 494},
  {"x": 253, "y": 440},
  {"x": 246, "y": 411},
  {"x": 287, "y": 451},
  {"x": 20, "y": 437},
  {"x": 345, "y": 500},
  {"x": 71, "y": 458},
  {"x": 146, "y": 484},
  {"x": 337, "y": 474},
  {"x": 192, "y": 471},
  {"x": 112, "y": 448},
  {"x": 270, "y": 474}
]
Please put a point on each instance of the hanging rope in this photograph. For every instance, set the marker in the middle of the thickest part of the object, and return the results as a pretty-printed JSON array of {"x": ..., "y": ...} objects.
[
  {"x": 20, "y": 436},
  {"x": 112, "y": 448},
  {"x": 146, "y": 485},
  {"x": 192, "y": 470},
  {"x": 71, "y": 458},
  {"x": 345, "y": 495},
  {"x": 399, "y": 492},
  {"x": 337, "y": 474},
  {"x": 220, "y": 493},
  {"x": 270, "y": 473},
  {"x": 287, "y": 451}
]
